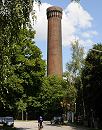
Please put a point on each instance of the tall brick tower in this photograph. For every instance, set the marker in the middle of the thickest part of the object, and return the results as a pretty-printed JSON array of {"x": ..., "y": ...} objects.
[{"x": 54, "y": 46}]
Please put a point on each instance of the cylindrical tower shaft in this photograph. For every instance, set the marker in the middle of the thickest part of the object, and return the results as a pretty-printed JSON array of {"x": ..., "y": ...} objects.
[{"x": 54, "y": 46}]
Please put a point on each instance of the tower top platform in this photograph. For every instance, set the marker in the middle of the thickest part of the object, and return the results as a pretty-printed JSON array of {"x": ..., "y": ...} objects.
[
  {"x": 54, "y": 11},
  {"x": 54, "y": 8}
]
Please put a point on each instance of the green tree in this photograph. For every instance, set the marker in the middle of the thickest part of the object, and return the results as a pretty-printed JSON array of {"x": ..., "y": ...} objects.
[
  {"x": 29, "y": 66},
  {"x": 14, "y": 16},
  {"x": 50, "y": 96},
  {"x": 74, "y": 69},
  {"x": 28, "y": 69},
  {"x": 77, "y": 62},
  {"x": 92, "y": 82},
  {"x": 22, "y": 105},
  {"x": 54, "y": 97}
]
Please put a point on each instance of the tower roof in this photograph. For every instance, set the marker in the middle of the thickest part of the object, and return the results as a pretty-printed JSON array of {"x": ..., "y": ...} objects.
[
  {"x": 54, "y": 11},
  {"x": 53, "y": 8}
]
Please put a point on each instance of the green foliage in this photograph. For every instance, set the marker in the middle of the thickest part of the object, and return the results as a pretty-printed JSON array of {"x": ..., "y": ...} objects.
[
  {"x": 77, "y": 61},
  {"x": 92, "y": 81},
  {"x": 26, "y": 57},
  {"x": 21, "y": 67},
  {"x": 51, "y": 95},
  {"x": 14, "y": 15},
  {"x": 73, "y": 75},
  {"x": 21, "y": 105}
]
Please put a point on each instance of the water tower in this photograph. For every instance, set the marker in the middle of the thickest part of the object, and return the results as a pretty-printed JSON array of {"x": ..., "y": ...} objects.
[{"x": 54, "y": 44}]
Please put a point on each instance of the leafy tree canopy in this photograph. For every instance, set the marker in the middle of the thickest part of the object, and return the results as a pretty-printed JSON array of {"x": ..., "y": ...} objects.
[{"x": 92, "y": 80}]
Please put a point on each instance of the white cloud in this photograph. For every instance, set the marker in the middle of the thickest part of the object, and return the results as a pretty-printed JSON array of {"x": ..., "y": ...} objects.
[
  {"x": 89, "y": 34},
  {"x": 78, "y": 16},
  {"x": 41, "y": 23},
  {"x": 74, "y": 18}
]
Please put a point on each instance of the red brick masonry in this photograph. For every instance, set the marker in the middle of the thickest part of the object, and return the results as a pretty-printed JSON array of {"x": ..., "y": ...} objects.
[{"x": 54, "y": 48}]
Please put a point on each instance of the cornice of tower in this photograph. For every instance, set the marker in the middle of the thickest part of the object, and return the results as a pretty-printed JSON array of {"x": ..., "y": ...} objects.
[{"x": 54, "y": 11}]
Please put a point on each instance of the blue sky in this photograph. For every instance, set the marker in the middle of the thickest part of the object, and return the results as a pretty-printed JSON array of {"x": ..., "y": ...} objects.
[{"x": 82, "y": 22}]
